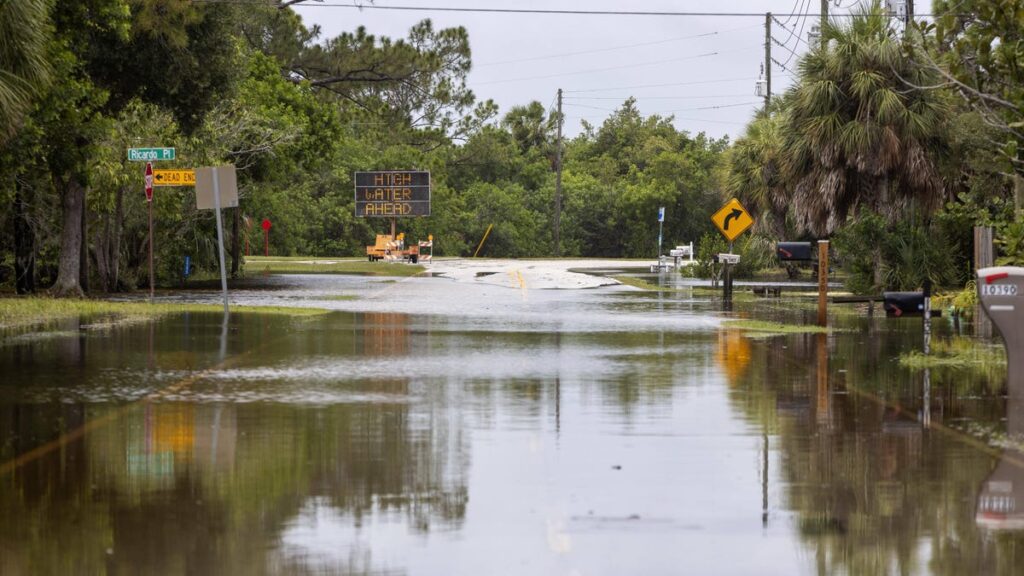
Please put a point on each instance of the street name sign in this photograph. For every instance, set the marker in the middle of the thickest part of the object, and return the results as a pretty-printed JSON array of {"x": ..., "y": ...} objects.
[
  {"x": 392, "y": 193},
  {"x": 174, "y": 177},
  {"x": 732, "y": 219},
  {"x": 150, "y": 154}
]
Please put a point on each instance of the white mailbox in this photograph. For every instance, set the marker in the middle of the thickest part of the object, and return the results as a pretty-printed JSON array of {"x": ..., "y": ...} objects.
[
  {"x": 1001, "y": 293},
  {"x": 729, "y": 258}
]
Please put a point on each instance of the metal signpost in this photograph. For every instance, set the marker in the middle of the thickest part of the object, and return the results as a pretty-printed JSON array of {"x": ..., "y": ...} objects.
[
  {"x": 731, "y": 220},
  {"x": 661, "y": 223},
  {"x": 217, "y": 187},
  {"x": 149, "y": 202}
]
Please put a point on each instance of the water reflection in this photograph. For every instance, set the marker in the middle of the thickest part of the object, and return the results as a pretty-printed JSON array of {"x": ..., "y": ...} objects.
[
  {"x": 382, "y": 443},
  {"x": 876, "y": 480}
]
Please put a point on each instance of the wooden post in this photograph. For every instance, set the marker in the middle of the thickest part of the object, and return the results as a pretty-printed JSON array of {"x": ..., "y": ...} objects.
[
  {"x": 822, "y": 282},
  {"x": 983, "y": 258}
]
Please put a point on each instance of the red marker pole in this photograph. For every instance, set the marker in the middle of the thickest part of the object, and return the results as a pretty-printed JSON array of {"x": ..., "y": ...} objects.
[
  {"x": 149, "y": 201},
  {"x": 266, "y": 237}
]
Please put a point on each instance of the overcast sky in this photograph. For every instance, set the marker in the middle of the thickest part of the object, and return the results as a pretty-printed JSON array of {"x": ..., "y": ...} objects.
[{"x": 701, "y": 69}]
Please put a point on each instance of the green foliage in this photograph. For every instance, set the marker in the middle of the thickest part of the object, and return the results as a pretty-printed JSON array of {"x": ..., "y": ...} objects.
[
  {"x": 900, "y": 256},
  {"x": 1011, "y": 243}
]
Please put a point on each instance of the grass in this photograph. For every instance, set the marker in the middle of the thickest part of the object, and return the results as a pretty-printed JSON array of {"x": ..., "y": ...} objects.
[
  {"x": 33, "y": 310},
  {"x": 958, "y": 353},
  {"x": 645, "y": 285},
  {"x": 775, "y": 328},
  {"x": 309, "y": 265}
]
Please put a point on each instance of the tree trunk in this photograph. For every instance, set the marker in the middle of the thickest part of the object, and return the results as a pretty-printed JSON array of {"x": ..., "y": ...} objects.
[
  {"x": 83, "y": 250},
  {"x": 68, "y": 272},
  {"x": 24, "y": 244},
  {"x": 114, "y": 243},
  {"x": 236, "y": 245}
]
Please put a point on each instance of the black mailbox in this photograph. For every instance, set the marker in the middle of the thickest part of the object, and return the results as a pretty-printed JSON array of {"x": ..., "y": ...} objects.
[
  {"x": 899, "y": 304},
  {"x": 794, "y": 251}
]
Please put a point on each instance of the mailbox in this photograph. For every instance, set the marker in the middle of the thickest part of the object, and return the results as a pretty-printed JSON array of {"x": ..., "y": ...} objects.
[
  {"x": 900, "y": 304},
  {"x": 1001, "y": 293},
  {"x": 794, "y": 251},
  {"x": 727, "y": 258}
]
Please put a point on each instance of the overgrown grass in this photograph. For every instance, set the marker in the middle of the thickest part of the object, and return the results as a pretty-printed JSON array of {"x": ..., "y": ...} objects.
[
  {"x": 645, "y": 285},
  {"x": 301, "y": 265},
  {"x": 958, "y": 353},
  {"x": 775, "y": 328},
  {"x": 32, "y": 310}
]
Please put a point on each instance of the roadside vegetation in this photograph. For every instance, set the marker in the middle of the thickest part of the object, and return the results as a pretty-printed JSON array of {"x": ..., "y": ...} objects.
[
  {"x": 893, "y": 142},
  {"x": 306, "y": 265},
  {"x": 29, "y": 311}
]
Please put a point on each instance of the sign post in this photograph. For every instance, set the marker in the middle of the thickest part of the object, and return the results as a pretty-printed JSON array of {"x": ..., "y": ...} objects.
[
  {"x": 149, "y": 202},
  {"x": 266, "y": 236},
  {"x": 661, "y": 223},
  {"x": 823, "y": 283},
  {"x": 731, "y": 220},
  {"x": 220, "y": 185}
]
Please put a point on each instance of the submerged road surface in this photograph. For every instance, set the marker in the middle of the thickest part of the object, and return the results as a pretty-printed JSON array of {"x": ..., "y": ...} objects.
[{"x": 479, "y": 421}]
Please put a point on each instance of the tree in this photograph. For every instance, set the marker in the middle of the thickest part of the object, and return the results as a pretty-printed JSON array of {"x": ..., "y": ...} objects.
[
  {"x": 857, "y": 135},
  {"x": 980, "y": 58},
  {"x": 24, "y": 69}
]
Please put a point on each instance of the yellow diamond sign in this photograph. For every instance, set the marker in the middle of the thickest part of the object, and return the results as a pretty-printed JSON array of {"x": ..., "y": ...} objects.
[
  {"x": 732, "y": 219},
  {"x": 174, "y": 178}
]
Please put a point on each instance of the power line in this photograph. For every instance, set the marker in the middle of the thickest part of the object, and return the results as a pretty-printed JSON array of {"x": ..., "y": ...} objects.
[
  {"x": 610, "y": 48},
  {"x": 670, "y": 84},
  {"x": 548, "y": 12},
  {"x": 660, "y": 97},
  {"x": 622, "y": 67}
]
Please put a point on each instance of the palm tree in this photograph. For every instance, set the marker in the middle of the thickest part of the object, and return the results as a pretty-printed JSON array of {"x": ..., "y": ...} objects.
[
  {"x": 24, "y": 31},
  {"x": 858, "y": 133},
  {"x": 755, "y": 170}
]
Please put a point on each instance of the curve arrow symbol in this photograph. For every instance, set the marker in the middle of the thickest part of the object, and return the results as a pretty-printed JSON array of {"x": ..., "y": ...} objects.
[{"x": 736, "y": 213}]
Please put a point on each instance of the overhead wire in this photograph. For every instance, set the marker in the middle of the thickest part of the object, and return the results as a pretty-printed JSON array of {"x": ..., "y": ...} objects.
[
  {"x": 609, "y": 68},
  {"x": 613, "y": 48}
]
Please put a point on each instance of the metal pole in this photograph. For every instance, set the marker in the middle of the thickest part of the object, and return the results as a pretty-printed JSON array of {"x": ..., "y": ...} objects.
[
  {"x": 266, "y": 242},
  {"x": 220, "y": 238},
  {"x": 150, "y": 249},
  {"x": 767, "y": 60},
  {"x": 661, "y": 227},
  {"x": 927, "y": 316},
  {"x": 822, "y": 283},
  {"x": 558, "y": 181}
]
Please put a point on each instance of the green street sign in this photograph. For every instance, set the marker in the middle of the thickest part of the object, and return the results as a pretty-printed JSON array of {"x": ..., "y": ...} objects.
[{"x": 150, "y": 154}]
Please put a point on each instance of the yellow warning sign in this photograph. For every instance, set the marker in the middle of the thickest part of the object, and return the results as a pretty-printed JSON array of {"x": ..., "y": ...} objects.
[
  {"x": 174, "y": 178},
  {"x": 732, "y": 219}
]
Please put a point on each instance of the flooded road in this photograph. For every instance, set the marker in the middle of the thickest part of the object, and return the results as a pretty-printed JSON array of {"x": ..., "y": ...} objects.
[{"x": 428, "y": 426}]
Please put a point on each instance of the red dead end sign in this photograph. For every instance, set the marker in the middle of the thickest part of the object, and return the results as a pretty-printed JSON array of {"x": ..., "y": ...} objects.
[{"x": 149, "y": 181}]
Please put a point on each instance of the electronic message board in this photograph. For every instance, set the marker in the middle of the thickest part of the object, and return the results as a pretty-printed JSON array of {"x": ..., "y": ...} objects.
[{"x": 393, "y": 193}]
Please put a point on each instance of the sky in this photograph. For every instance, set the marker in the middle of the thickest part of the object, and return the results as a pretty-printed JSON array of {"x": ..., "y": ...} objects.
[{"x": 701, "y": 69}]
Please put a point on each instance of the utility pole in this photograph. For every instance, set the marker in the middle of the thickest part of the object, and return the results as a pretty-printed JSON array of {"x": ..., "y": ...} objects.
[
  {"x": 910, "y": 12},
  {"x": 767, "y": 59},
  {"x": 824, "y": 21},
  {"x": 558, "y": 180}
]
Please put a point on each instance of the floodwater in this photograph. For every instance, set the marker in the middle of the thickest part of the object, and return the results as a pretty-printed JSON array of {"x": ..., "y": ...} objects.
[{"x": 435, "y": 427}]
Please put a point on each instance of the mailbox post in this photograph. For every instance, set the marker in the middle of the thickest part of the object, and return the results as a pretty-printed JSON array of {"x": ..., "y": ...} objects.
[{"x": 1001, "y": 293}]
